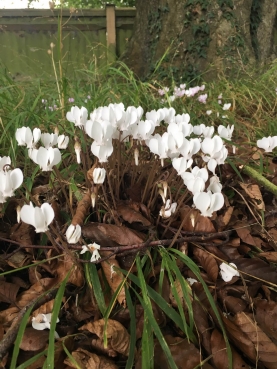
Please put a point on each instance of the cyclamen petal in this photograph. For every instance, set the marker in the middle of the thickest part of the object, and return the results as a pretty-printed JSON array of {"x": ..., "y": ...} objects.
[
  {"x": 4, "y": 161},
  {"x": 38, "y": 217},
  {"x": 99, "y": 175}
]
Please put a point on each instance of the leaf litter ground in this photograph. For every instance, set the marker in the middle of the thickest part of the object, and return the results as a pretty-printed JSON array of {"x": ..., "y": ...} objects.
[{"x": 141, "y": 285}]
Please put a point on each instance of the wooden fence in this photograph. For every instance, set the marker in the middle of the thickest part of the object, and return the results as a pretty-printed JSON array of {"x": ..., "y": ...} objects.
[{"x": 89, "y": 38}]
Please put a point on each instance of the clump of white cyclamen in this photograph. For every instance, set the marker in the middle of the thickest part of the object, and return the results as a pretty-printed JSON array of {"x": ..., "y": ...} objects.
[
  {"x": 45, "y": 158},
  {"x": 38, "y": 217}
]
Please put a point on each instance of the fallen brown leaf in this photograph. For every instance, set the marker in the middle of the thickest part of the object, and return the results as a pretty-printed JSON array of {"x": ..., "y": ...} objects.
[
  {"x": 88, "y": 360},
  {"x": 257, "y": 268},
  {"x": 194, "y": 222},
  {"x": 132, "y": 216},
  {"x": 8, "y": 292},
  {"x": 208, "y": 263},
  {"x": 219, "y": 353},
  {"x": 34, "y": 340},
  {"x": 266, "y": 316},
  {"x": 254, "y": 192},
  {"x": 117, "y": 336},
  {"x": 113, "y": 276},
  {"x": 266, "y": 349}
]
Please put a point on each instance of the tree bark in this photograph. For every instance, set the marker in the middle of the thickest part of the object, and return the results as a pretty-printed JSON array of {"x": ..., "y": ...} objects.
[{"x": 188, "y": 38}]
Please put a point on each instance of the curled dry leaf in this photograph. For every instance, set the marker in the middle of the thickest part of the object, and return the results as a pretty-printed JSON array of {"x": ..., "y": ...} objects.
[
  {"x": 114, "y": 276},
  {"x": 266, "y": 316},
  {"x": 208, "y": 263},
  {"x": 222, "y": 220},
  {"x": 266, "y": 349},
  {"x": 269, "y": 256},
  {"x": 244, "y": 232},
  {"x": 254, "y": 192},
  {"x": 219, "y": 353},
  {"x": 44, "y": 309},
  {"x": 231, "y": 303},
  {"x": 117, "y": 335},
  {"x": 34, "y": 340},
  {"x": 66, "y": 264},
  {"x": 132, "y": 216},
  {"x": 34, "y": 292},
  {"x": 111, "y": 235},
  {"x": 19, "y": 259},
  {"x": 88, "y": 360},
  {"x": 8, "y": 315},
  {"x": 82, "y": 209},
  {"x": 23, "y": 233}
]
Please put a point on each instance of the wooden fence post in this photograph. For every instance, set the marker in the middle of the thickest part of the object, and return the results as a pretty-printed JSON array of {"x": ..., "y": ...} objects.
[{"x": 110, "y": 33}]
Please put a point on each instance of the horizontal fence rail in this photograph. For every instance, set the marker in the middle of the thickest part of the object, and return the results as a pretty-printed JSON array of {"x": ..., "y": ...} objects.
[{"x": 83, "y": 39}]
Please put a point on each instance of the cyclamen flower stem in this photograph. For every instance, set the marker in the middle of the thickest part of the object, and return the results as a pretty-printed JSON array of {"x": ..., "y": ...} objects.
[
  {"x": 260, "y": 179},
  {"x": 110, "y": 186},
  {"x": 63, "y": 190}
]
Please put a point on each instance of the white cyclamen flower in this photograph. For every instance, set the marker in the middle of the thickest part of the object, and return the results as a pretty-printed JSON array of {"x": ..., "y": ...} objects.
[
  {"x": 225, "y": 132},
  {"x": 10, "y": 180},
  {"x": 102, "y": 152},
  {"x": 49, "y": 139},
  {"x": 77, "y": 116},
  {"x": 228, "y": 271},
  {"x": 181, "y": 164},
  {"x": 25, "y": 137},
  {"x": 63, "y": 141},
  {"x": 267, "y": 143},
  {"x": 45, "y": 158},
  {"x": 38, "y": 217},
  {"x": 167, "y": 210},
  {"x": 99, "y": 175},
  {"x": 73, "y": 233},
  {"x": 226, "y": 106},
  {"x": 43, "y": 321},
  {"x": 207, "y": 202},
  {"x": 93, "y": 249}
]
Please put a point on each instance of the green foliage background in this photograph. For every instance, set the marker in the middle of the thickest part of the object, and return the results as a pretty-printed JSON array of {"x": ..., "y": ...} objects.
[{"x": 86, "y": 4}]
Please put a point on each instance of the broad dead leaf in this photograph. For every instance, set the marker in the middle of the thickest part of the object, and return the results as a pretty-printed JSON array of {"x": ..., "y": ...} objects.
[
  {"x": 117, "y": 335},
  {"x": 19, "y": 259},
  {"x": 8, "y": 315},
  {"x": 266, "y": 349},
  {"x": 269, "y": 256},
  {"x": 34, "y": 340},
  {"x": 266, "y": 316},
  {"x": 132, "y": 216},
  {"x": 88, "y": 360},
  {"x": 219, "y": 353},
  {"x": 113, "y": 275},
  {"x": 244, "y": 232},
  {"x": 200, "y": 317},
  {"x": 223, "y": 219},
  {"x": 254, "y": 192},
  {"x": 208, "y": 263},
  {"x": 111, "y": 235},
  {"x": 257, "y": 268}
]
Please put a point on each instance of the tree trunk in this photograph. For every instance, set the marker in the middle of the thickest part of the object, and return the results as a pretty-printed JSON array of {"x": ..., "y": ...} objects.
[{"x": 188, "y": 38}]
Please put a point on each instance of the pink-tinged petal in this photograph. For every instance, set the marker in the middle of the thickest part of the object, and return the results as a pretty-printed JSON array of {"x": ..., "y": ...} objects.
[
  {"x": 17, "y": 178},
  {"x": 48, "y": 213},
  {"x": 217, "y": 201}
]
